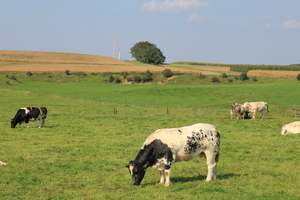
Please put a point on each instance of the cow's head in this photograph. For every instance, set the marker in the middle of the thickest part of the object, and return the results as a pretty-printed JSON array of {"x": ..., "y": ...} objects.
[
  {"x": 137, "y": 172},
  {"x": 13, "y": 123}
]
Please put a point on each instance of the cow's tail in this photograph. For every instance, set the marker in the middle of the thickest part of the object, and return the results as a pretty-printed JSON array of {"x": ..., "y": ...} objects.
[{"x": 218, "y": 143}]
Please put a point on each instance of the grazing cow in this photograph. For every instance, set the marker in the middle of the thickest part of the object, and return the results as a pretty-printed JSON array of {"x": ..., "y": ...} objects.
[
  {"x": 2, "y": 163},
  {"x": 164, "y": 147},
  {"x": 291, "y": 128},
  {"x": 257, "y": 107},
  {"x": 238, "y": 109},
  {"x": 29, "y": 114}
]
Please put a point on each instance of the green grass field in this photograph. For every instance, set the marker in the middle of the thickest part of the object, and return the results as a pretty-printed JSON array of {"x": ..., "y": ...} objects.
[{"x": 94, "y": 129}]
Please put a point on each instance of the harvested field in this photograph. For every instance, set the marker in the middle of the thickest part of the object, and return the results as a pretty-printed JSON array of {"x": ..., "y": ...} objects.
[
  {"x": 212, "y": 68},
  {"x": 54, "y": 57},
  {"x": 39, "y": 62},
  {"x": 273, "y": 73}
]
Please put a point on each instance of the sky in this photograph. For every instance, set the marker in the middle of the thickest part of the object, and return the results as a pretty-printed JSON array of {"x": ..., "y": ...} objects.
[{"x": 215, "y": 31}]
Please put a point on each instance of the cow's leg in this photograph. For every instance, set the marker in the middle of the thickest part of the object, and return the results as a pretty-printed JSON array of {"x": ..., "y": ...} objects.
[
  {"x": 253, "y": 113},
  {"x": 261, "y": 114},
  {"x": 42, "y": 122},
  {"x": 162, "y": 176},
  {"x": 27, "y": 122},
  {"x": 167, "y": 175},
  {"x": 211, "y": 166}
]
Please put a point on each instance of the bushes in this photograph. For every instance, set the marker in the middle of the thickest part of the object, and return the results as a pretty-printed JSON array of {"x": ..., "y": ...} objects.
[
  {"x": 243, "y": 77},
  {"x": 167, "y": 73},
  {"x": 133, "y": 78},
  {"x": 201, "y": 76},
  {"x": 67, "y": 72},
  {"x": 215, "y": 80},
  {"x": 29, "y": 73}
]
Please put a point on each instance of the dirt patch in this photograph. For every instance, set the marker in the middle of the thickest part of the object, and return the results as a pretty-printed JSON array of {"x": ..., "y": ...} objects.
[{"x": 292, "y": 111}]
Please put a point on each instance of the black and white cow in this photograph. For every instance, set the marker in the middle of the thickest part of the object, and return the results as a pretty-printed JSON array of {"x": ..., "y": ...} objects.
[
  {"x": 29, "y": 114},
  {"x": 238, "y": 109},
  {"x": 164, "y": 147}
]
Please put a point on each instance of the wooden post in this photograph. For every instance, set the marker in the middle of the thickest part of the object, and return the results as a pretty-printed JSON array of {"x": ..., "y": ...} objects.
[{"x": 167, "y": 109}]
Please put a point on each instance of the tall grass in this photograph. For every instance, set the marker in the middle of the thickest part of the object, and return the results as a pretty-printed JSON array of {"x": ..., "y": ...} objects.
[{"x": 83, "y": 150}]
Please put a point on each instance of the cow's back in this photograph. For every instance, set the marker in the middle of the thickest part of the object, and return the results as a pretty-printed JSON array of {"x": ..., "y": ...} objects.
[
  {"x": 187, "y": 142},
  {"x": 291, "y": 128}
]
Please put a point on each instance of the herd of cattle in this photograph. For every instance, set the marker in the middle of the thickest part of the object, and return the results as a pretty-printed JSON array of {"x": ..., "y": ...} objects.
[
  {"x": 164, "y": 147},
  {"x": 253, "y": 107}
]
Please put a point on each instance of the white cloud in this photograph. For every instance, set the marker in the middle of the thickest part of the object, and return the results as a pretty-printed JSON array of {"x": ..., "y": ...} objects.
[
  {"x": 195, "y": 18},
  {"x": 172, "y": 6},
  {"x": 291, "y": 24}
]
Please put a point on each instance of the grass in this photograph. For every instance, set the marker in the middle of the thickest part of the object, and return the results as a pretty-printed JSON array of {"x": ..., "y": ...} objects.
[{"x": 84, "y": 148}]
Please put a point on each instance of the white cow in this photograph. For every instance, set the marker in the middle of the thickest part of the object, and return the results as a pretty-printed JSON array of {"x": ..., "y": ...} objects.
[
  {"x": 291, "y": 128},
  {"x": 254, "y": 107},
  {"x": 238, "y": 109}
]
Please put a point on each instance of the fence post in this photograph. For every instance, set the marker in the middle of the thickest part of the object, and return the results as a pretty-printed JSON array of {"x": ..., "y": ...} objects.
[{"x": 167, "y": 108}]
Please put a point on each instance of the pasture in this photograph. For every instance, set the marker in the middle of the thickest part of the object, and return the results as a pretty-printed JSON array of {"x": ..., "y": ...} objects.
[{"x": 94, "y": 129}]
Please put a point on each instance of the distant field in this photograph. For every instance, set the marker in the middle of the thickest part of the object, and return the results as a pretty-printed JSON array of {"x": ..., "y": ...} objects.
[
  {"x": 272, "y": 73},
  {"x": 55, "y": 62},
  {"x": 24, "y": 61}
]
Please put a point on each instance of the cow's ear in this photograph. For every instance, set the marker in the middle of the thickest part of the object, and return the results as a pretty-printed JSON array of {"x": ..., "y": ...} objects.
[{"x": 127, "y": 166}]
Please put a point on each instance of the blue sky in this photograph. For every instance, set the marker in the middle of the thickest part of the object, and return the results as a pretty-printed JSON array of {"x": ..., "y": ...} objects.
[{"x": 233, "y": 31}]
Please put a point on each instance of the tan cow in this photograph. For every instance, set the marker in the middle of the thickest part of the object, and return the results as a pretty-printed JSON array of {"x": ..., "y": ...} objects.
[
  {"x": 291, "y": 128},
  {"x": 254, "y": 107},
  {"x": 238, "y": 109}
]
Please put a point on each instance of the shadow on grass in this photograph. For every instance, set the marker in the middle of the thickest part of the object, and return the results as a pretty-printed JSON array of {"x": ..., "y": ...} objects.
[{"x": 196, "y": 178}]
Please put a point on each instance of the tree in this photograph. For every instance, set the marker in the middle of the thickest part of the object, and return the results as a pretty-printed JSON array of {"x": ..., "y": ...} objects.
[{"x": 146, "y": 52}]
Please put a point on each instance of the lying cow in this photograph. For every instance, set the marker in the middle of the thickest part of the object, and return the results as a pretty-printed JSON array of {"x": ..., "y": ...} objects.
[
  {"x": 254, "y": 107},
  {"x": 29, "y": 114},
  {"x": 291, "y": 128},
  {"x": 164, "y": 147},
  {"x": 238, "y": 109}
]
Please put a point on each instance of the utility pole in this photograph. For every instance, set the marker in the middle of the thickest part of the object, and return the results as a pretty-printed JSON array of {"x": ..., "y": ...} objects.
[{"x": 114, "y": 48}]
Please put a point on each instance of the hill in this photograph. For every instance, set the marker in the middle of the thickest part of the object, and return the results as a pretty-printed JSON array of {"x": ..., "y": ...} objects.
[{"x": 54, "y": 62}]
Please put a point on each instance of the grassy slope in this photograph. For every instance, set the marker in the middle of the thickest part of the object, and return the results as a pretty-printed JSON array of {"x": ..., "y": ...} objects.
[{"x": 82, "y": 152}]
